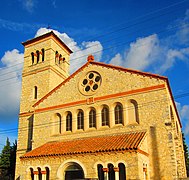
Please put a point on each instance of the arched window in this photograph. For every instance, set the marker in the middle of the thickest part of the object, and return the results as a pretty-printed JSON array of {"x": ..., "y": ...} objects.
[
  {"x": 43, "y": 54},
  {"x": 39, "y": 174},
  {"x": 118, "y": 111},
  {"x": 56, "y": 57},
  {"x": 37, "y": 52},
  {"x": 32, "y": 55},
  {"x": 105, "y": 116},
  {"x": 100, "y": 172},
  {"x": 111, "y": 172},
  {"x": 69, "y": 122},
  {"x": 57, "y": 123},
  {"x": 80, "y": 120},
  {"x": 31, "y": 174},
  {"x": 60, "y": 58},
  {"x": 35, "y": 92},
  {"x": 133, "y": 111},
  {"x": 122, "y": 173},
  {"x": 47, "y": 173},
  {"x": 92, "y": 118}
]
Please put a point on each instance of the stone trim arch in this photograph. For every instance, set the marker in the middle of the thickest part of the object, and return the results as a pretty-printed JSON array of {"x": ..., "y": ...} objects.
[
  {"x": 121, "y": 161},
  {"x": 67, "y": 163}
]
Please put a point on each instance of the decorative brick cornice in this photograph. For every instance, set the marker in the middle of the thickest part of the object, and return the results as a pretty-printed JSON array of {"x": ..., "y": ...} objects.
[{"x": 44, "y": 37}]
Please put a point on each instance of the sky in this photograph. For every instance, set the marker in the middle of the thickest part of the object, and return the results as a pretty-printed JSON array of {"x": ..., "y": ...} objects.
[{"x": 148, "y": 35}]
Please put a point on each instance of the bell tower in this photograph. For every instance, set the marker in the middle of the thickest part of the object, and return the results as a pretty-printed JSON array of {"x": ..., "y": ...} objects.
[{"x": 46, "y": 64}]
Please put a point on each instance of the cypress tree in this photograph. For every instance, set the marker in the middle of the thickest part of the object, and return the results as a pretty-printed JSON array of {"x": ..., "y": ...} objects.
[{"x": 7, "y": 161}]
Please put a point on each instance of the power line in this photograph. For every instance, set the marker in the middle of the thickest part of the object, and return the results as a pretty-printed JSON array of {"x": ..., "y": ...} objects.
[
  {"x": 116, "y": 45},
  {"x": 140, "y": 17}
]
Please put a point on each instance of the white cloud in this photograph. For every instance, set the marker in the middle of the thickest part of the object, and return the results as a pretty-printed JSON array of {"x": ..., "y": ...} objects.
[
  {"x": 15, "y": 26},
  {"x": 10, "y": 84},
  {"x": 54, "y": 3},
  {"x": 182, "y": 34},
  {"x": 154, "y": 54},
  {"x": 117, "y": 60},
  {"x": 170, "y": 56},
  {"x": 10, "y": 74},
  {"x": 140, "y": 55},
  {"x": 28, "y": 5},
  {"x": 80, "y": 52}
]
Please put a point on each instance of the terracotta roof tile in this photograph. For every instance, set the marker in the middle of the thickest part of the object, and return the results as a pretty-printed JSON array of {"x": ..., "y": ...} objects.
[{"x": 126, "y": 141}]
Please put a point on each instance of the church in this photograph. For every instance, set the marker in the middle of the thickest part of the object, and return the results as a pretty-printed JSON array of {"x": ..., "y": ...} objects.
[{"x": 103, "y": 122}]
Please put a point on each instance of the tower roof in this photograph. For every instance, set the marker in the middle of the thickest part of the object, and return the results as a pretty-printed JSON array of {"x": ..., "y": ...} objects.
[{"x": 47, "y": 35}]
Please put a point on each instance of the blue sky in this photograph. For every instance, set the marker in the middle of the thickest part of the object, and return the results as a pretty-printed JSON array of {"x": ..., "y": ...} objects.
[{"x": 148, "y": 35}]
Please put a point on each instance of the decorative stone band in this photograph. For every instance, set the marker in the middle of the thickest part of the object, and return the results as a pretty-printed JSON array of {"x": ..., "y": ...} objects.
[
  {"x": 116, "y": 169},
  {"x": 43, "y": 172},
  {"x": 35, "y": 172},
  {"x": 142, "y": 90},
  {"x": 105, "y": 169}
]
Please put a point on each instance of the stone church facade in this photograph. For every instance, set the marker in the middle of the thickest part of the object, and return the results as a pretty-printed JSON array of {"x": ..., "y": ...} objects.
[{"x": 102, "y": 122}]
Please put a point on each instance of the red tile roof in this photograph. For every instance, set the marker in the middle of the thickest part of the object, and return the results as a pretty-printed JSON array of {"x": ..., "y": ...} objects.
[{"x": 127, "y": 141}]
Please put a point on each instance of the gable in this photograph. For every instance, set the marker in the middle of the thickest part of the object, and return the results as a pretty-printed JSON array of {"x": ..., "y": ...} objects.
[{"x": 113, "y": 80}]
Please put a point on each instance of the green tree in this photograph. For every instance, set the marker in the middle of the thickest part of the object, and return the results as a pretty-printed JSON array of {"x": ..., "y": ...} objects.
[
  {"x": 7, "y": 161},
  {"x": 186, "y": 155}
]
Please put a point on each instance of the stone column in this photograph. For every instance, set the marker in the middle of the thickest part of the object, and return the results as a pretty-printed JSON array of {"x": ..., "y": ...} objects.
[
  {"x": 86, "y": 120},
  {"x": 105, "y": 170},
  {"x": 63, "y": 123},
  {"x": 112, "y": 116},
  {"x": 74, "y": 122},
  {"x": 125, "y": 121},
  {"x": 116, "y": 170},
  {"x": 36, "y": 175},
  {"x": 98, "y": 118},
  {"x": 43, "y": 175}
]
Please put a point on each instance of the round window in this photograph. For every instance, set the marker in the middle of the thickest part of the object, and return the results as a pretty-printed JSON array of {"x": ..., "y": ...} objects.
[{"x": 90, "y": 83}]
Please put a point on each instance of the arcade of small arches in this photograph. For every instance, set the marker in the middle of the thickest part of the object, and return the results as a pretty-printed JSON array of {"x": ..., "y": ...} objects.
[
  {"x": 73, "y": 170},
  {"x": 95, "y": 118},
  {"x": 59, "y": 58},
  {"x": 38, "y": 173},
  {"x": 39, "y": 56}
]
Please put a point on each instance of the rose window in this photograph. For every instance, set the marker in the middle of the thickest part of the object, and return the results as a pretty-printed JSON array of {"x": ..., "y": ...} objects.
[{"x": 90, "y": 83}]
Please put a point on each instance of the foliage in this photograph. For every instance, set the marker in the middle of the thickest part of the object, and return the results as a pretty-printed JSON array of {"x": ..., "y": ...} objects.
[
  {"x": 7, "y": 161},
  {"x": 186, "y": 155}
]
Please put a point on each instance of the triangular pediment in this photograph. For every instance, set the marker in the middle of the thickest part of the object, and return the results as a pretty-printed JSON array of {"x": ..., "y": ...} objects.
[{"x": 95, "y": 79}]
